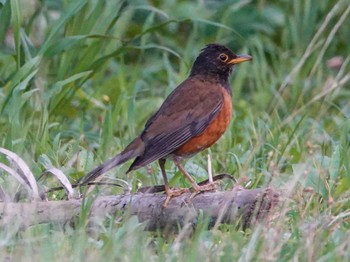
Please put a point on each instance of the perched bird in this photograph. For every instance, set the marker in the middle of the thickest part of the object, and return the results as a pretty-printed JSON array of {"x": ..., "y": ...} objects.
[{"x": 192, "y": 118}]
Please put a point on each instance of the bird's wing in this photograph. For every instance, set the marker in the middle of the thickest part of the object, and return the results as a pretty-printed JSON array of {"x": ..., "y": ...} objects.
[{"x": 186, "y": 113}]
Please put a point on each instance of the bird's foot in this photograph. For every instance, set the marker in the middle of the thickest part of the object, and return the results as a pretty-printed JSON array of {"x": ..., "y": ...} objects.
[
  {"x": 203, "y": 188},
  {"x": 170, "y": 193}
]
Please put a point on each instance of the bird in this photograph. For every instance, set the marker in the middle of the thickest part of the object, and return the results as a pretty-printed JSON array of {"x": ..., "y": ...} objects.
[{"x": 191, "y": 119}]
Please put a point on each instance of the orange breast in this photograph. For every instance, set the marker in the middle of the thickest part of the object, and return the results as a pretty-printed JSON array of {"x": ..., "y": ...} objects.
[{"x": 213, "y": 132}]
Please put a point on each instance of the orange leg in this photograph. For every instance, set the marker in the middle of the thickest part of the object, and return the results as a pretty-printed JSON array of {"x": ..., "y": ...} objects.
[
  {"x": 170, "y": 193},
  {"x": 197, "y": 189}
]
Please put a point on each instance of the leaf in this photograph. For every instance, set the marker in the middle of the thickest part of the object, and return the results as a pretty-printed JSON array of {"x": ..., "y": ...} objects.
[
  {"x": 196, "y": 171},
  {"x": 153, "y": 9},
  {"x": 18, "y": 88},
  {"x": 308, "y": 177},
  {"x": 57, "y": 87},
  {"x": 16, "y": 24},
  {"x": 16, "y": 175},
  {"x": 5, "y": 18},
  {"x": 64, "y": 44},
  {"x": 72, "y": 10},
  {"x": 25, "y": 70},
  {"x": 24, "y": 172},
  {"x": 216, "y": 24},
  {"x": 85, "y": 160},
  {"x": 27, "y": 45},
  {"x": 62, "y": 178},
  {"x": 334, "y": 166},
  {"x": 24, "y": 83},
  {"x": 149, "y": 46}
]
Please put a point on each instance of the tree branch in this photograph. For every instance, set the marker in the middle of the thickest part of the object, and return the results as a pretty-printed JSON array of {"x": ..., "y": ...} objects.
[{"x": 237, "y": 206}]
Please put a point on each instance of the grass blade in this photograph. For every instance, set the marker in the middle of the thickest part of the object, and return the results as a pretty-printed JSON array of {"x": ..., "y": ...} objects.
[
  {"x": 16, "y": 19},
  {"x": 24, "y": 171},
  {"x": 62, "y": 178}
]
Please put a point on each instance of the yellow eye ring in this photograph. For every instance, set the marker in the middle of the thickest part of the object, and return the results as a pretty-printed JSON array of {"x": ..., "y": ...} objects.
[{"x": 223, "y": 57}]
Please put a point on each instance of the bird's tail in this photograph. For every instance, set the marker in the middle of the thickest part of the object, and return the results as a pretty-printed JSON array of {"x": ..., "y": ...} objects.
[{"x": 134, "y": 149}]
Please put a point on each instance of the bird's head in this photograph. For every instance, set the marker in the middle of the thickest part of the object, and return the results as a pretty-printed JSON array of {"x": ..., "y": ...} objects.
[{"x": 217, "y": 60}]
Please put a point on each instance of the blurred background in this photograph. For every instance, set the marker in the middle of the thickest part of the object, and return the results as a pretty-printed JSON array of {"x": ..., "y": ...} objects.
[{"x": 78, "y": 80}]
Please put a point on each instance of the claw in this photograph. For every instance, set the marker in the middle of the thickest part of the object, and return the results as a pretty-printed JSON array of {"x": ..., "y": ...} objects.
[
  {"x": 204, "y": 188},
  {"x": 170, "y": 193},
  {"x": 178, "y": 192}
]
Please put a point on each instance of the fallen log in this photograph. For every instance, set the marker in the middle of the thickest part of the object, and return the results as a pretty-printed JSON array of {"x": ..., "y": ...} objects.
[{"x": 239, "y": 206}]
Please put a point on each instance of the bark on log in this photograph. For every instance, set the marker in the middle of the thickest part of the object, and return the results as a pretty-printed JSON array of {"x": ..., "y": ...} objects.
[{"x": 238, "y": 205}]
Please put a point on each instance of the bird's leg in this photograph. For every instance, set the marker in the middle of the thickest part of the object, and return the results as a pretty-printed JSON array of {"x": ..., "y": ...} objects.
[
  {"x": 169, "y": 192},
  {"x": 197, "y": 188},
  {"x": 162, "y": 168},
  {"x": 187, "y": 175}
]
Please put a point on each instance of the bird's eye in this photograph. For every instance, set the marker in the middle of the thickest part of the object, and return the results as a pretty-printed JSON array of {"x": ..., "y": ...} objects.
[{"x": 223, "y": 57}]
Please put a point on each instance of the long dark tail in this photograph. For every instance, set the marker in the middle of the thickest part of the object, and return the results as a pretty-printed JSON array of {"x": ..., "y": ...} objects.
[{"x": 134, "y": 149}]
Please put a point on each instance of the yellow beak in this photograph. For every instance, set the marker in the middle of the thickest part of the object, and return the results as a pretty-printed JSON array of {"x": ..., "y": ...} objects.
[{"x": 240, "y": 59}]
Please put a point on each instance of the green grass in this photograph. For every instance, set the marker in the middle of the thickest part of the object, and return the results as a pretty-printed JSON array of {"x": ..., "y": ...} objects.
[{"x": 78, "y": 80}]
